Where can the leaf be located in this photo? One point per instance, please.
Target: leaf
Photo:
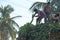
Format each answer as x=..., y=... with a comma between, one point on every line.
x=37, y=5
x=14, y=23
x=15, y=17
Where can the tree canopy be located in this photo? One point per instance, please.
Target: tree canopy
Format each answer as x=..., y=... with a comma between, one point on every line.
x=6, y=23
x=40, y=32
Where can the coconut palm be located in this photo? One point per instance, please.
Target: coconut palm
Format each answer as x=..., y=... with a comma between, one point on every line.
x=37, y=5
x=54, y=5
x=6, y=23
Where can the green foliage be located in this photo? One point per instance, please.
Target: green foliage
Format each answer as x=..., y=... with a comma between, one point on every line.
x=26, y=28
x=40, y=32
x=37, y=5
x=6, y=23
x=55, y=7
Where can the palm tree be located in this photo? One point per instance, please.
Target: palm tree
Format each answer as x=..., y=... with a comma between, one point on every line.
x=37, y=5
x=54, y=5
x=6, y=23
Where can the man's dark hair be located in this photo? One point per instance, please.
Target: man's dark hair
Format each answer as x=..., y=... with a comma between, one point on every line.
x=56, y=15
x=35, y=10
x=48, y=3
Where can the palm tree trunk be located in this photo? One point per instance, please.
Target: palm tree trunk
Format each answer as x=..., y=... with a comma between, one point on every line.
x=13, y=37
x=6, y=36
x=0, y=35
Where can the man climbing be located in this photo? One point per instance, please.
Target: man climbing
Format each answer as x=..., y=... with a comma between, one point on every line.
x=40, y=15
x=47, y=10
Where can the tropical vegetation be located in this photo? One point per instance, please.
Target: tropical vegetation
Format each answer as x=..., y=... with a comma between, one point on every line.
x=42, y=31
x=6, y=23
x=33, y=32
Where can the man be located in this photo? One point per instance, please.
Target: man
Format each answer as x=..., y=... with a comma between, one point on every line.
x=55, y=18
x=40, y=15
x=47, y=10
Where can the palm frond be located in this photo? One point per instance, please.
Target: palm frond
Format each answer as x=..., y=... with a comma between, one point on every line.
x=15, y=17
x=9, y=9
x=14, y=23
x=37, y=5
x=34, y=4
x=1, y=9
x=12, y=32
x=11, y=18
x=11, y=29
x=0, y=18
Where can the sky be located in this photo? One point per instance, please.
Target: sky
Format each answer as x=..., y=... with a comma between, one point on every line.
x=21, y=7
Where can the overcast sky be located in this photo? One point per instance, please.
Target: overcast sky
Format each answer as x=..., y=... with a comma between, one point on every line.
x=21, y=7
